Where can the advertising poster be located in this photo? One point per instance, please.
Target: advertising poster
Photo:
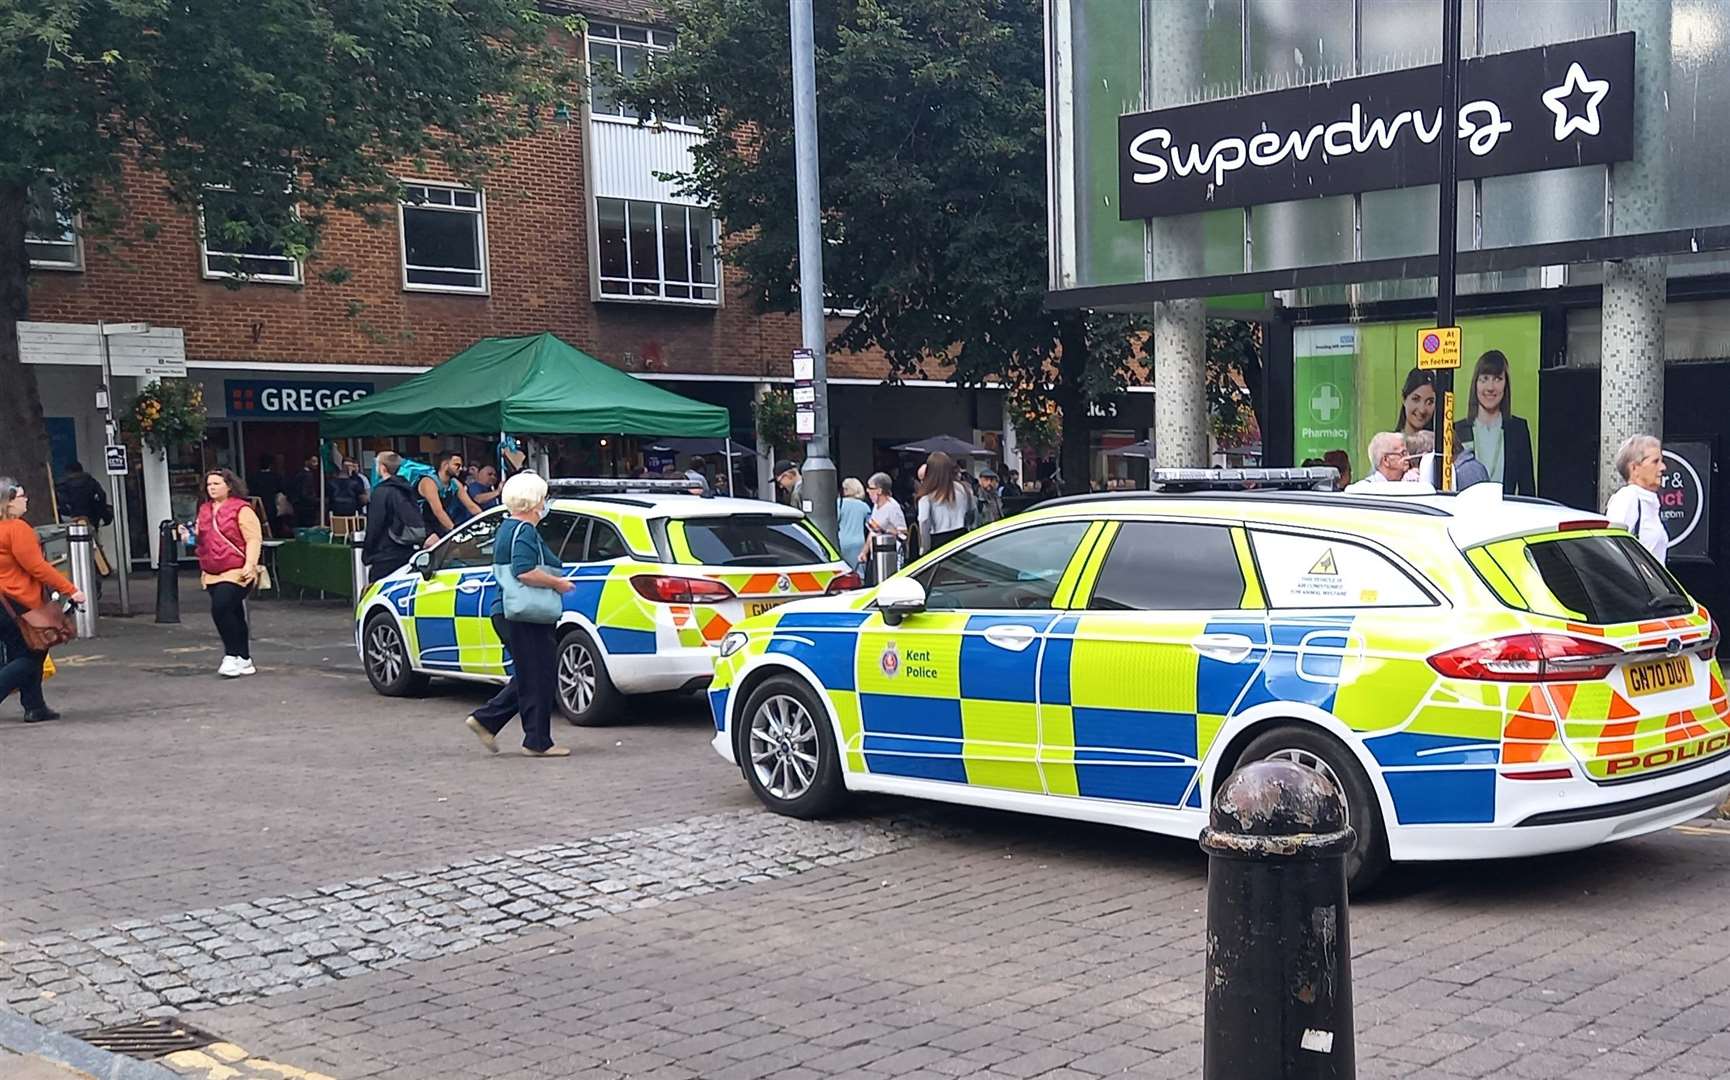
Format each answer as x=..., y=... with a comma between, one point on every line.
x=1351, y=381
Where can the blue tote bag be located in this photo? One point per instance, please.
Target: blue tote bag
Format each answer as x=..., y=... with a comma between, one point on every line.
x=528, y=603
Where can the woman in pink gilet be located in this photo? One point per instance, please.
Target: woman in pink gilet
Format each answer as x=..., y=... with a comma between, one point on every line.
x=229, y=539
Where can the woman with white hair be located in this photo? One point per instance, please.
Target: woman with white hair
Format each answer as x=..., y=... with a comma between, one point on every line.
x=528, y=602
x=1640, y=462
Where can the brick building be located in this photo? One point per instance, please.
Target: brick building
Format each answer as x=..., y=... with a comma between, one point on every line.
x=573, y=234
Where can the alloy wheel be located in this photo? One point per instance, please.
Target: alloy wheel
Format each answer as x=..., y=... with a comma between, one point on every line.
x=576, y=676
x=384, y=653
x=783, y=747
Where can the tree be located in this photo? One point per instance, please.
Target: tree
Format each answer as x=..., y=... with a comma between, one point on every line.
x=1234, y=375
x=932, y=121
x=292, y=108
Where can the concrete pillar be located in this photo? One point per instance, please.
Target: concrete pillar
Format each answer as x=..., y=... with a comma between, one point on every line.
x=765, y=453
x=1631, y=381
x=1180, y=384
x=157, y=504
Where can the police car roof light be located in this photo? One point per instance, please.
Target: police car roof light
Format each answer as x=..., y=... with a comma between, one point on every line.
x=622, y=485
x=1306, y=478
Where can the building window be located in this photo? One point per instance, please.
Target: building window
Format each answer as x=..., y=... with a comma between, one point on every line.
x=657, y=251
x=50, y=229
x=232, y=246
x=625, y=50
x=444, y=239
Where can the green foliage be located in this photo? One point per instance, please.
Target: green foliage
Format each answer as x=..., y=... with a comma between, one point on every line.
x=932, y=142
x=167, y=413
x=293, y=107
x=773, y=413
x=1234, y=372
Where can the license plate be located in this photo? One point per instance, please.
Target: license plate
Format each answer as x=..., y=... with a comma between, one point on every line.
x=757, y=607
x=1657, y=676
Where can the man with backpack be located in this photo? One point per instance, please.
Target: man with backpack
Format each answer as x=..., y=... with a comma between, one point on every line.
x=395, y=529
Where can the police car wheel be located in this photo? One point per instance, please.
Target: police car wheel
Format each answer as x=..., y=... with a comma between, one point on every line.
x=387, y=666
x=787, y=751
x=586, y=695
x=1316, y=750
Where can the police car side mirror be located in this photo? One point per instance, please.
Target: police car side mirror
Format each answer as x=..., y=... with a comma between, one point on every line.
x=421, y=563
x=898, y=598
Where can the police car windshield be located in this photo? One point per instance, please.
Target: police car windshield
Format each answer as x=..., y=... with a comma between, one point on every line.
x=1608, y=579
x=753, y=542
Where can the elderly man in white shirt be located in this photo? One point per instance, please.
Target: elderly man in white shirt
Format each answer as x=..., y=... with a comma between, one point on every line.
x=1640, y=462
x=1387, y=460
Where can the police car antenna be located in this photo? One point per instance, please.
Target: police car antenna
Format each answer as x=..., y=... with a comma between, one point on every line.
x=608, y=485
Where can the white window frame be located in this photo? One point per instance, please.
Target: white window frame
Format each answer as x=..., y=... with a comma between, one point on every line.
x=661, y=281
x=478, y=212
x=76, y=264
x=204, y=254
x=659, y=41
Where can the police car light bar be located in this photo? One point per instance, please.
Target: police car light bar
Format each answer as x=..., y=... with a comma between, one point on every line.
x=599, y=485
x=1310, y=478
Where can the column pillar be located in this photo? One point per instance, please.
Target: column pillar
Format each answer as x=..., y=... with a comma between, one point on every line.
x=157, y=502
x=1631, y=381
x=765, y=452
x=1180, y=384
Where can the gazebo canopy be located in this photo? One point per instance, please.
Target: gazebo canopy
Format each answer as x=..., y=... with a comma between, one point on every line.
x=537, y=385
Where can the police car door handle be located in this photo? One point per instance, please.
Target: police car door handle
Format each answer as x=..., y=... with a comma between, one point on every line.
x=1227, y=648
x=469, y=585
x=1014, y=638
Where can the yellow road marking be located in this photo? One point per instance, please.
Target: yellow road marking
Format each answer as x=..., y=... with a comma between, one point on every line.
x=226, y=1061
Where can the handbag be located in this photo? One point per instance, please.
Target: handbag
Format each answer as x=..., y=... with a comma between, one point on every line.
x=42, y=627
x=528, y=603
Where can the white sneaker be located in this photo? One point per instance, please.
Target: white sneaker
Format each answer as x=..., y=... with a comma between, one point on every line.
x=230, y=667
x=244, y=667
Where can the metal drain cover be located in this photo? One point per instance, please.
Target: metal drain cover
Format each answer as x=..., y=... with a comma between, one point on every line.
x=146, y=1039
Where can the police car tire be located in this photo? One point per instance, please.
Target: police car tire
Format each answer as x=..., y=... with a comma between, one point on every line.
x=604, y=704
x=408, y=681
x=827, y=791
x=1368, y=860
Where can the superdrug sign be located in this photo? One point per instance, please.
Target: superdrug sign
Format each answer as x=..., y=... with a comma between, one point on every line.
x=1545, y=108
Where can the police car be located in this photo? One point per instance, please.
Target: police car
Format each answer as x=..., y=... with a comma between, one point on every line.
x=661, y=576
x=1479, y=676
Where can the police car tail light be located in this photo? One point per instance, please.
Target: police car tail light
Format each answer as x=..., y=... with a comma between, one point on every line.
x=663, y=589
x=1528, y=658
x=1709, y=647
x=844, y=582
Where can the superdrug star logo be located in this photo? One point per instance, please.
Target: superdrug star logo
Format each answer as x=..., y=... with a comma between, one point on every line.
x=1558, y=98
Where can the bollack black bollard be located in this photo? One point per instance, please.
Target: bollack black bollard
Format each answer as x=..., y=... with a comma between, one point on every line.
x=167, y=574
x=1279, y=983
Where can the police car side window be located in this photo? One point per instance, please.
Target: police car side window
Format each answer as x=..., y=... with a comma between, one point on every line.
x=605, y=543
x=472, y=544
x=1169, y=566
x=1321, y=572
x=564, y=534
x=1016, y=570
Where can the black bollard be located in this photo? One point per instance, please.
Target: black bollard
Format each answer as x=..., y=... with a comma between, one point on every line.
x=1279, y=982
x=167, y=574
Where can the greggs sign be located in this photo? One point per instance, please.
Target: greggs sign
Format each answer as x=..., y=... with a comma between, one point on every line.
x=1546, y=108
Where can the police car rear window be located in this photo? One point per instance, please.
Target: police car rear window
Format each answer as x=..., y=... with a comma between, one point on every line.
x=1607, y=579
x=766, y=542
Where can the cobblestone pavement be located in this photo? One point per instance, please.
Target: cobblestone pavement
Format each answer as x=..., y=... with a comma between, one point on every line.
x=665, y=927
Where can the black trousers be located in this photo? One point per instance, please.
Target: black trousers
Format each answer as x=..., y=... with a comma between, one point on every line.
x=228, y=612
x=534, y=682
x=20, y=669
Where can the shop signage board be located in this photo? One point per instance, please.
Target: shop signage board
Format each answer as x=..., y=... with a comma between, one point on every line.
x=1685, y=499
x=114, y=459
x=1553, y=107
x=281, y=399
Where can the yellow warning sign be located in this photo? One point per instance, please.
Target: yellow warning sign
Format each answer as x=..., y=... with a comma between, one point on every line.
x=1439, y=347
x=1325, y=564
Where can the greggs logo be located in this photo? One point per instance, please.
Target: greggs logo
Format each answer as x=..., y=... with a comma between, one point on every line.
x=1669, y=755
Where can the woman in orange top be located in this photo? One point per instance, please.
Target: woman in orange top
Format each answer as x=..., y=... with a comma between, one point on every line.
x=24, y=577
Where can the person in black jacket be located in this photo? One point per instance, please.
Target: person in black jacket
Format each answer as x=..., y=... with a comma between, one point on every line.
x=1501, y=441
x=394, y=531
x=81, y=496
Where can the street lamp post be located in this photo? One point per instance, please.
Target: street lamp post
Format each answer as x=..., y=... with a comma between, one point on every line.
x=819, y=482
x=117, y=484
x=1447, y=224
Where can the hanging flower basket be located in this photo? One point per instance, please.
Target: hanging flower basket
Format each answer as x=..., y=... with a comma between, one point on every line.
x=773, y=413
x=1037, y=419
x=167, y=414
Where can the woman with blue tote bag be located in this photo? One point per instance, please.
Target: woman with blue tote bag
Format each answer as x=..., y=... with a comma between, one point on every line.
x=530, y=602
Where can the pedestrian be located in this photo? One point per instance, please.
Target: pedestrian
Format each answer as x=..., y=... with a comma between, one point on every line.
x=1468, y=470
x=887, y=518
x=346, y=492
x=944, y=502
x=484, y=488
x=528, y=603
x=444, y=500
x=1342, y=463
x=303, y=493
x=789, y=484
x=394, y=529
x=990, y=498
x=265, y=485
x=1640, y=463
x=1420, y=445
x=1387, y=454
x=851, y=513
x=694, y=472
x=83, y=498
x=25, y=578
x=228, y=538
x=1012, y=485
